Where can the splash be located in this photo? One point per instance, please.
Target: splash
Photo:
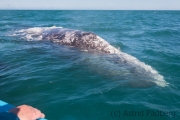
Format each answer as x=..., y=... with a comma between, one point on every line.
x=34, y=34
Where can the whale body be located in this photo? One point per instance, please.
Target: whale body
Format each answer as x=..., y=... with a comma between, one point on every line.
x=126, y=64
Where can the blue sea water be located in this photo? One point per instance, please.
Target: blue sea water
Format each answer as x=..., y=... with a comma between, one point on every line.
x=68, y=84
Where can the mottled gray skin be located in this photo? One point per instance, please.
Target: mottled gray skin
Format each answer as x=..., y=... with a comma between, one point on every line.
x=83, y=40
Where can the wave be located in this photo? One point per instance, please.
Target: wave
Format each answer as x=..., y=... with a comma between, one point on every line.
x=129, y=66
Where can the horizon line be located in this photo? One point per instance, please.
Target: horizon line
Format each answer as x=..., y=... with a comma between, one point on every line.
x=100, y=9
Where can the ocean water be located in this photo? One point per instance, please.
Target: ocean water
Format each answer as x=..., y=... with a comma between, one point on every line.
x=66, y=83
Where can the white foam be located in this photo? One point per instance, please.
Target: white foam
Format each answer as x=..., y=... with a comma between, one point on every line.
x=33, y=34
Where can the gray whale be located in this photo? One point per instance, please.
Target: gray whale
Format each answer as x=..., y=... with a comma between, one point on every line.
x=123, y=64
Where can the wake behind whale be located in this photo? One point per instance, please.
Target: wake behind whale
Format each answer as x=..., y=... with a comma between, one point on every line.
x=119, y=63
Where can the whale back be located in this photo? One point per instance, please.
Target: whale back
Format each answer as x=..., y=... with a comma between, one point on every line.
x=87, y=41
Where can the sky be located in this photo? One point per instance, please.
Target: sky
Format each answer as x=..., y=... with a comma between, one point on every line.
x=91, y=4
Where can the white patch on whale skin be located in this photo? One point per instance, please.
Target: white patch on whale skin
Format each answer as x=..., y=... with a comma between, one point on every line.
x=87, y=41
